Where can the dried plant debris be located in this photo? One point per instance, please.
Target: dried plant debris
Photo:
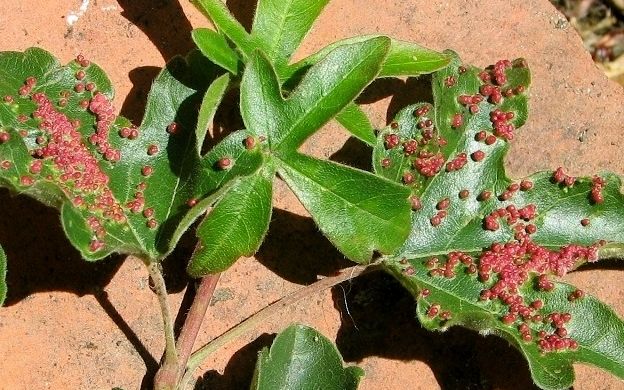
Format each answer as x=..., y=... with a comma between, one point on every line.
x=600, y=23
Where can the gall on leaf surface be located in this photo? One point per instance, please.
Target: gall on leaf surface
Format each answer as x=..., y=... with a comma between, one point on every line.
x=486, y=251
x=119, y=188
x=302, y=358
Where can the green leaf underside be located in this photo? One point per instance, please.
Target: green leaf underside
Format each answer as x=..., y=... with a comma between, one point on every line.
x=136, y=199
x=3, y=272
x=302, y=358
x=279, y=26
x=326, y=88
x=567, y=218
x=236, y=225
x=356, y=220
x=214, y=46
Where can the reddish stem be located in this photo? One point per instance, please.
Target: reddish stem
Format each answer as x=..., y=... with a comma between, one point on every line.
x=194, y=318
x=169, y=375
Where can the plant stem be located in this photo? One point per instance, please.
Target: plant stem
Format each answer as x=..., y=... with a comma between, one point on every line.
x=171, y=354
x=264, y=314
x=169, y=375
x=195, y=316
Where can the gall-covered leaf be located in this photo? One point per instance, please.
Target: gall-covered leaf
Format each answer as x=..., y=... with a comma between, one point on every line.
x=484, y=250
x=120, y=188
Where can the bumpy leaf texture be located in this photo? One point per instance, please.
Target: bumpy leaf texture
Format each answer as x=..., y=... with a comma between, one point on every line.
x=302, y=358
x=484, y=250
x=119, y=188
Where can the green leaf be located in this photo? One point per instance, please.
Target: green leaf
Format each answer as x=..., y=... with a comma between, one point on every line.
x=262, y=105
x=593, y=325
x=214, y=46
x=483, y=248
x=3, y=271
x=404, y=58
x=356, y=220
x=277, y=127
x=119, y=188
x=279, y=26
x=177, y=170
x=236, y=226
x=358, y=124
x=302, y=358
x=50, y=114
x=326, y=88
x=226, y=24
x=216, y=181
x=410, y=59
x=210, y=104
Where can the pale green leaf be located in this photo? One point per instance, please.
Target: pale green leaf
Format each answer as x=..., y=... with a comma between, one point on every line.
x=358, y=124
x=404, y=58
x=226, y=24
x=236, y=225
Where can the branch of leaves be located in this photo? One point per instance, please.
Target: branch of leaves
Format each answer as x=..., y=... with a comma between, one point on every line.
x=119, y=188
x=485, y=251
x=334, y=194
x=278, y=29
